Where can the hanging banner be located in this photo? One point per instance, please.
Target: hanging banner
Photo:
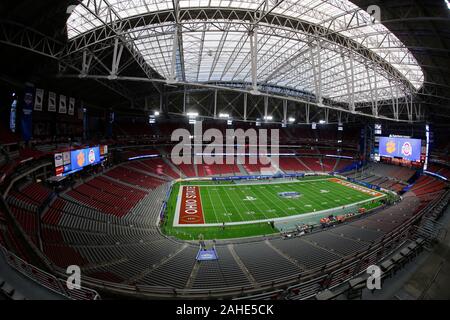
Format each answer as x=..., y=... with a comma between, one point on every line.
x=52, y=102
x=71, y=106
x=62, y=104
x=39, y=100
x=27, y=113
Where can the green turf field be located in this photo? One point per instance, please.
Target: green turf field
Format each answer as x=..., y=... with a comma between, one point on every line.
x=228, y=203
x=246, y=208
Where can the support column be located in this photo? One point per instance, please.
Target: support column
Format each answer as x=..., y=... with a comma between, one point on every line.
x=352, y=96
x=184, y=101
x=245, y=106
x=173, y=65
x=254, y=56
x=266, y=106
x=215, y=104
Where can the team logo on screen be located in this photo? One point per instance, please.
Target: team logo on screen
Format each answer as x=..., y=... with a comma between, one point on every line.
x=91, y=156
x=80, y=159
x=407, y=149
x=390, y=146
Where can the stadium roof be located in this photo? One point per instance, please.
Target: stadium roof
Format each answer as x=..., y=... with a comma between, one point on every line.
x=332, y=49
x=112, y=59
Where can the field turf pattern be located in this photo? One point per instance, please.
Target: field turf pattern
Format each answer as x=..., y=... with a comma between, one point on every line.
x=310, y=192
x=229, y=203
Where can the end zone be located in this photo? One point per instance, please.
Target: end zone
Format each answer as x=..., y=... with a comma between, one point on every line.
x=189, y=207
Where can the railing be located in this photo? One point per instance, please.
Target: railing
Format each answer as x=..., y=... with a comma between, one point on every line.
x=47, y=280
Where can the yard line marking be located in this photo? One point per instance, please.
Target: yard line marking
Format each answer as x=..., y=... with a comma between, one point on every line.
x=262, y=202
x=273, y=203
x=242, y=218
x=341, y=191
x=214, y=209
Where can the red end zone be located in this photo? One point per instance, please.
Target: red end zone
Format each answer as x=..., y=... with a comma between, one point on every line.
x=191, y=206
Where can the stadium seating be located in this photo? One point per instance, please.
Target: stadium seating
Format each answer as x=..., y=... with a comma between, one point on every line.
x=188, y=170
x=292, y=164
x=124, y=174
x=328, y=164
x=313, y=164
x=108, y=225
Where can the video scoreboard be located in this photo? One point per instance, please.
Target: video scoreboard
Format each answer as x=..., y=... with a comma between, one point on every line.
x=69, y=162
x=400, y=150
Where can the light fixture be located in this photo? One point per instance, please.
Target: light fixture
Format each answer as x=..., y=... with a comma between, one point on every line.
x=192, y=114
x=156, y=113
x=224, y=115
x=268, y=118
x=322, y=121
x=291, y=120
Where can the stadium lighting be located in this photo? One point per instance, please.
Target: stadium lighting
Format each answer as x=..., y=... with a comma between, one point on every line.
x=291, y=120
x=156, y=113
x=322, y=121
x=268, y=118
x=448, y=4
x=224, y=115
x=192, y=114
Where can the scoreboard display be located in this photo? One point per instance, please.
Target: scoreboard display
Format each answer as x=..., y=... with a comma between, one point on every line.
x=404, y=148
x=69, y=162
x=400, y=150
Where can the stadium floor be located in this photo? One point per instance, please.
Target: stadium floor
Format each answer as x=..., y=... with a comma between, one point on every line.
x=250, y=206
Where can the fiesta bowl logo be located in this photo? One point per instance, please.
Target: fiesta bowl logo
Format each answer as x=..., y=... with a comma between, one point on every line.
x=407, y=149
x=91, y=156
x=390, y=146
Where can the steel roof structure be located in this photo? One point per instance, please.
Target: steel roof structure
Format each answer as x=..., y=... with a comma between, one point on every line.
x=337, y=56
x=332, y=51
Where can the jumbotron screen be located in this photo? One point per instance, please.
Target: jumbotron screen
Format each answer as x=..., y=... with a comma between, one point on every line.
x=72, y=161
x=405, y=148
x=84, y=157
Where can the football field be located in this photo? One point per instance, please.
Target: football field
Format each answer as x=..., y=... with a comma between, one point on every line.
x=216, y=204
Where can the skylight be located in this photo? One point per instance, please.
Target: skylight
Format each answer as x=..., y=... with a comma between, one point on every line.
x=218, y=50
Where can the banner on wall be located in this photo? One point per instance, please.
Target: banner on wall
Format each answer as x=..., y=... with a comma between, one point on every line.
x=39, y=100
x=71, y=110
x=62, y=104
x=27, y=113
x=52, y=102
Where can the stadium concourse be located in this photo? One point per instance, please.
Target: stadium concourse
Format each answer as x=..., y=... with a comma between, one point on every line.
x=351, y=106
